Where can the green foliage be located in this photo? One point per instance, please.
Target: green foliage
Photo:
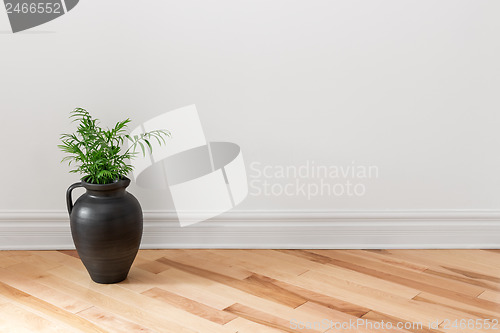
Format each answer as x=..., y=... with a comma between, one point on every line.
x=97, y=153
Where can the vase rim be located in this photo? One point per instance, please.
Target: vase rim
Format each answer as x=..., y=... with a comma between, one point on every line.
x=123, y=182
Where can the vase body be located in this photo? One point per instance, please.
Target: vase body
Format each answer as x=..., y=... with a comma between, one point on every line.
x=106, y=225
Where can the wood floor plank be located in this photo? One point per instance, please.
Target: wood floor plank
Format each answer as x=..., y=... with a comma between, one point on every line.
x=415, y=327
x=6, y=261
x=279, y=310
x=415, y=280
x=307, y=255
x=446, y=269
x=441, y=258
x=475, y=279
x=323, y=318
x=209, y=261
x=38, y=264
x=374, y=281
x=318, y=298
x=72, y=253
x=384, y=259
x=228, y=293
x=250, y=286
x=473, y=275
x=137, y=284
x=41, y=306
x=155, y=307
x=466, y=310
x=183, y=284
x=136, y=313
x=14, y=253
x=284, y=258
x=267, y=266
x=51, y=295
x=333, y=320
x=390, y=304
x=242, y=325
x=266, y=319
x=198, y=309
x=14, y=319
x=492, y=296
x=155, y=254
x=4, y=300
x=487, y=258
x=154, y=267
x=57, y=258
x=497, y=251
x=112, y=322
x=462, y=259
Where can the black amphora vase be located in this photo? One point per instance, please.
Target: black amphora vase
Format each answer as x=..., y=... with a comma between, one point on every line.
x=106, y=225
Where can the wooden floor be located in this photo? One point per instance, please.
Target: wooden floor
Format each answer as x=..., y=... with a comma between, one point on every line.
x=256, y=291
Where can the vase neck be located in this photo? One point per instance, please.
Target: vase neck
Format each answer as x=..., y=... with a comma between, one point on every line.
x=109, y=193
x=115, y=189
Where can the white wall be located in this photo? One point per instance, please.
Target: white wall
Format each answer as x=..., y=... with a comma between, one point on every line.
x=409, y=86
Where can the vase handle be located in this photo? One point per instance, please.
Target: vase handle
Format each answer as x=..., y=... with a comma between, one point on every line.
x=69, y=201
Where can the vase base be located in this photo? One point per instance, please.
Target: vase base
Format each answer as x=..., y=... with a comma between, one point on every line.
x=106, y=279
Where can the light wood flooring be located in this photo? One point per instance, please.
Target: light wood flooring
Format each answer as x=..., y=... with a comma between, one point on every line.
x=253, y=291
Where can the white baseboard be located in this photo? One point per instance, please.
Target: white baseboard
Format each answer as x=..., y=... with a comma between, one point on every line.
x=49, y=230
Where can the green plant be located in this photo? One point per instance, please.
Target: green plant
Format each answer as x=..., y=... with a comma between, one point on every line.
x=97, y=153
